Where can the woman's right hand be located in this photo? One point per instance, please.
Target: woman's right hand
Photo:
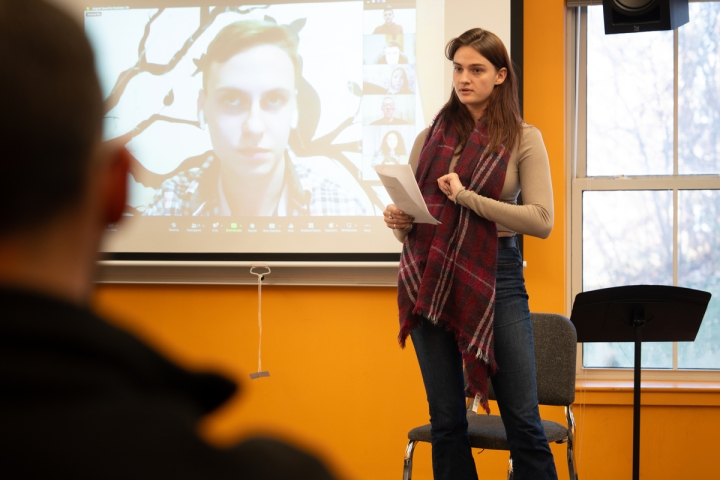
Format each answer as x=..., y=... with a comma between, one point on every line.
x=396, y=218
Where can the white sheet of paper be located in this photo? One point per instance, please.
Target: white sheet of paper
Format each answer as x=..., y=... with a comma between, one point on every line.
x=400, y=184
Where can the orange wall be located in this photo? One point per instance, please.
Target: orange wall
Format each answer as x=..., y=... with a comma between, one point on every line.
x=678, y=431
x=339, y=383
x=544, y=107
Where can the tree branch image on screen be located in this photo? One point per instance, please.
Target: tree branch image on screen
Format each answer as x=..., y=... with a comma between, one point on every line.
x=252, y=127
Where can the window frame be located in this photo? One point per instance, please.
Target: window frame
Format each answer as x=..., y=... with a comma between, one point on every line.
x=578, y=182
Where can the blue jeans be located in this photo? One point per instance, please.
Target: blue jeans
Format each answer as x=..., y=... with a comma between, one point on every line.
x=514, y=384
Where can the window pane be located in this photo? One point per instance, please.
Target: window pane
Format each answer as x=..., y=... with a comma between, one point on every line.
x=627, y=240
x=699, y=268
x=629, y=101
x=699, y=91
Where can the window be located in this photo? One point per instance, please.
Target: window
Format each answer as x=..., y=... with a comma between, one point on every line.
x=645, y=189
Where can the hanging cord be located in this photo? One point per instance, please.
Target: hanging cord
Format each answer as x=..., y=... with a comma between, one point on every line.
x=260, y=277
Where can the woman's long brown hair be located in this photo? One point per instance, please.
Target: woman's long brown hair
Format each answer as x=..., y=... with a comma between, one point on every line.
x=503, y=109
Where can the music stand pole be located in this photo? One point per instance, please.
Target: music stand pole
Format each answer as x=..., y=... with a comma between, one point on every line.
x=638, y=322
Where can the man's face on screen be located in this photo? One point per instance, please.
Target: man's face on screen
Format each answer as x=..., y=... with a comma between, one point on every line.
x=389, y=16
x=249, y=106
x=388, y=108
x=392, y=55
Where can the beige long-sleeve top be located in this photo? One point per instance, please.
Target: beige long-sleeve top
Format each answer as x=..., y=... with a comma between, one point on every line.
x=528, y=171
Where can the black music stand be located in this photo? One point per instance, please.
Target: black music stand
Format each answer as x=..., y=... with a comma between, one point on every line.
x=639, y=313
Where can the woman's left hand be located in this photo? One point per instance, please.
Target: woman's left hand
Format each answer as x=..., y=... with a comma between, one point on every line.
x=450, y=185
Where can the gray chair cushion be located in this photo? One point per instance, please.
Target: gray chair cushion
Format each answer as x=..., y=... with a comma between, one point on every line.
x=487, y=431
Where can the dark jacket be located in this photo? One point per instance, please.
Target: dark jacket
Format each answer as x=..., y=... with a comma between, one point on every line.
x=82, y=399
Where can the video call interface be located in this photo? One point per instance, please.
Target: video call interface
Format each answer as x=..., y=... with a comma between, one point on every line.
x=233, y=131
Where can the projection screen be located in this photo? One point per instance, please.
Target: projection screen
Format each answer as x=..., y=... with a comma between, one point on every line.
x=254, y=128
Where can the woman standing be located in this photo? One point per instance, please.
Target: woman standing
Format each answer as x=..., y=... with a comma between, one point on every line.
x=461, y=293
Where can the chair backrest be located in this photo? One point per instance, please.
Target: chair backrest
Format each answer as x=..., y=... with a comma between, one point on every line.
x=555, y=353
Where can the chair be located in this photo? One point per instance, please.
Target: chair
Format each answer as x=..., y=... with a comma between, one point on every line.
x=555, y=354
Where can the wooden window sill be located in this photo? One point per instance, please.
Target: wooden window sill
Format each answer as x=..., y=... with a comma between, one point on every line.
x=659, y=393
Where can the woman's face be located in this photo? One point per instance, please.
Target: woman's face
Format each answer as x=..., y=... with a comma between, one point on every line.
x=391, y=140
x=397, y=80
x=249, y=106
x=474, y=79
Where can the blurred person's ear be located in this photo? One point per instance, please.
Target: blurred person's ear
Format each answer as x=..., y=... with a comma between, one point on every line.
x=114, y=178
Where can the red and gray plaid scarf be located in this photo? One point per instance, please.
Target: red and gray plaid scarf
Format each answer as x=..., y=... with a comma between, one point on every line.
x=447, y=271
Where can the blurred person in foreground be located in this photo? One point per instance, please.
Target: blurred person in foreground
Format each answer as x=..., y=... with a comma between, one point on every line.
x=80, y=398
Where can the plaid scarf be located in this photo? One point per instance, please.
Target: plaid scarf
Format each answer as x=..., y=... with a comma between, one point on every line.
x=447, y=271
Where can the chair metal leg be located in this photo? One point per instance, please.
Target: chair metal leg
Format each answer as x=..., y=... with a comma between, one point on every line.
x=570, y=443
x=511, y=474
x=407, y=467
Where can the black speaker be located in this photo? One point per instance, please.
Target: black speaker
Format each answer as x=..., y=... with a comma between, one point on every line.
x=626, y=16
